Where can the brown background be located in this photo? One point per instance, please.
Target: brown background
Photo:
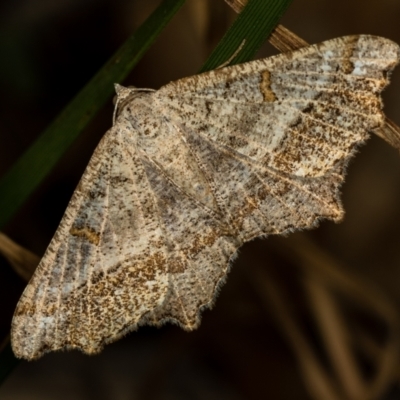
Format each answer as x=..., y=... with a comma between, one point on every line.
x=48, y=51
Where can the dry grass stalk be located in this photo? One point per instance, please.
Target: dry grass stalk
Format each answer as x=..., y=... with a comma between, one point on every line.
x=22, y=260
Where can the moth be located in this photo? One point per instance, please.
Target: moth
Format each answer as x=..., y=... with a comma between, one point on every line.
x=190, y=172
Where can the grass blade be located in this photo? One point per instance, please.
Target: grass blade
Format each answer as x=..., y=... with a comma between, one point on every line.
x=34, y=165
x=254, y=24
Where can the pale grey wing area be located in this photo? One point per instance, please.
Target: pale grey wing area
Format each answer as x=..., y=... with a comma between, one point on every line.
x=200, y=242
x=299, y=113
x=106, y=265
x=201, y=245
x=183, y=167
x=248, y=202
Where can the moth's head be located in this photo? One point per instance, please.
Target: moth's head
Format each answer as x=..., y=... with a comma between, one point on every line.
x=124, y=95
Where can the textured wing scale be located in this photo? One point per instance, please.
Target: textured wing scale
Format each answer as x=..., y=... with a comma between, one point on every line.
x=186, y=176
x=325, y=94
x=81, y=294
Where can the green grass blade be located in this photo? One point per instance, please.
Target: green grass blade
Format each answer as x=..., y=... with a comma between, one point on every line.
x=254, y=24
x=33, y=166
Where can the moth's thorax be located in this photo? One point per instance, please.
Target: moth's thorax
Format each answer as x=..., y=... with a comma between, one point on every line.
x=159, y=137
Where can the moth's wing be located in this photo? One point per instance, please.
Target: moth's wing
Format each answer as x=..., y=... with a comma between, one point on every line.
x=205, y=233
x=270, y=141
x=201, y=242
x=105, y=267
x=299, y=113
x=261, y=146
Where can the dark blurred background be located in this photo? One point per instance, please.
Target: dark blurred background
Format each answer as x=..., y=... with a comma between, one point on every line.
x=284, y=326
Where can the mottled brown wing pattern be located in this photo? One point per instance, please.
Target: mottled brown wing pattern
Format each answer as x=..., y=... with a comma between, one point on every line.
x=299, y=112
x=186, y=176
x=105, y=266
